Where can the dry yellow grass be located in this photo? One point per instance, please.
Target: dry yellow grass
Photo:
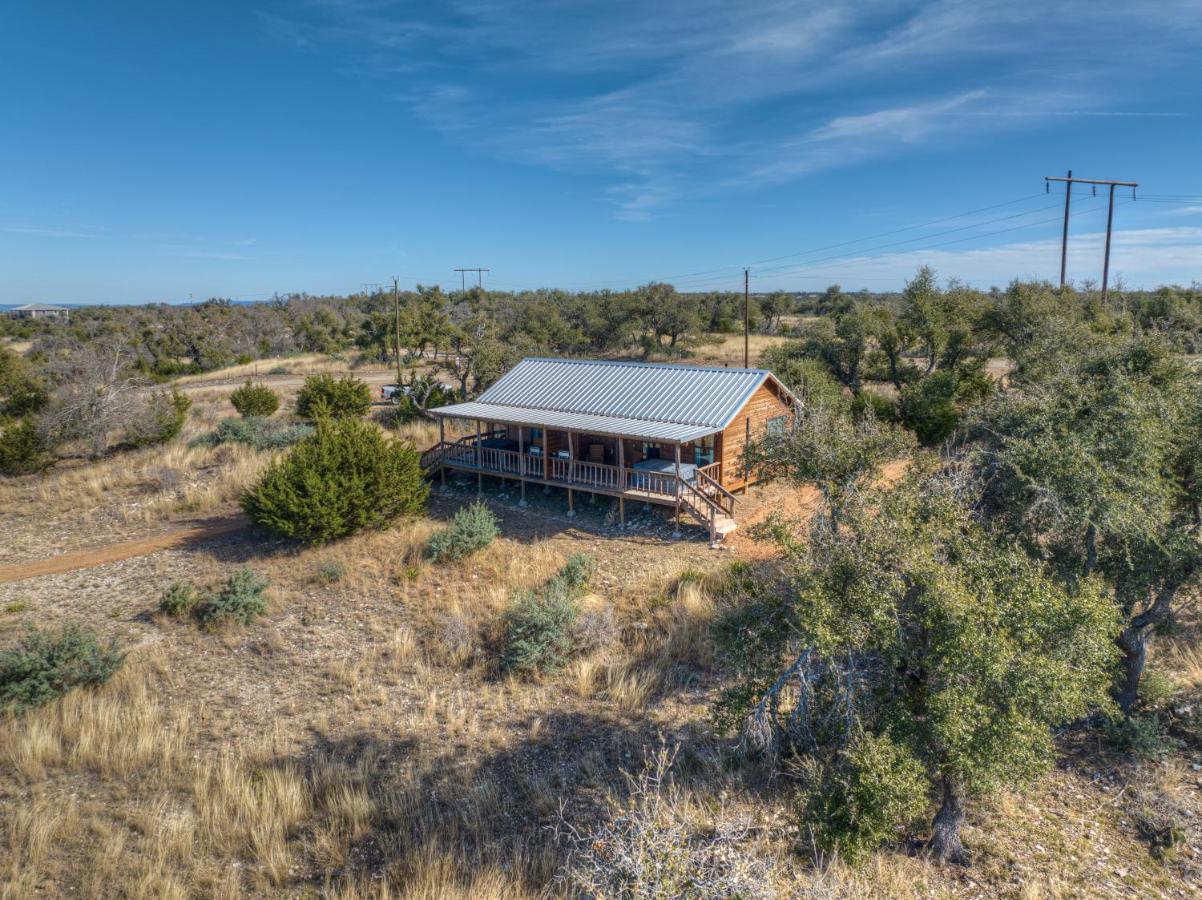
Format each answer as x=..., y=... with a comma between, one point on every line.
x=302, y=364
x=120, y=729
x=399, y=765
x=727, y=349
x=1184, y=661
x=151, y=484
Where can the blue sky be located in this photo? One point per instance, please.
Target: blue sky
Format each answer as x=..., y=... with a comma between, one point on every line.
x=161, y=151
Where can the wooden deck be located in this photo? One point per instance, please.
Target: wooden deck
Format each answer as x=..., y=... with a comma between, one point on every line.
x=702, y=497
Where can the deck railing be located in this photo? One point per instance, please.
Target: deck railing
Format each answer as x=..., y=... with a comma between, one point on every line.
x=702, y=495
x=581, y=472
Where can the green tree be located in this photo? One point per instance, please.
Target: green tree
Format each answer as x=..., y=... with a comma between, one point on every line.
x=1094, y=465
x=668, y=316
x=22, y=393
x=933, y=406
x=22, y=448
x=773, y=306
x=913, y=625
x=893, y=339
x=345, y=478
x=841, y=345
x=924, y=315
x=809, y=380
x=840, y=454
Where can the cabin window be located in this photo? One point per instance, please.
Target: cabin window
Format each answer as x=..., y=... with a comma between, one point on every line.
x=536, y=434
x=703, y=451
x=650, y=451
x=777, y=425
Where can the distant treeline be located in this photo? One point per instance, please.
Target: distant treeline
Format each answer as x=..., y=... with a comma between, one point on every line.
x=478, y=333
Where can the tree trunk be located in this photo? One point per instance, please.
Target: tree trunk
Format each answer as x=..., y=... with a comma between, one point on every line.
x=894, y=374
x=1134, y=638
x=1133, y=642
x=944, y=844
x=1091, y=549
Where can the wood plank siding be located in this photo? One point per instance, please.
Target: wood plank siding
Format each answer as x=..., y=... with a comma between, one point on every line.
x=764, y=405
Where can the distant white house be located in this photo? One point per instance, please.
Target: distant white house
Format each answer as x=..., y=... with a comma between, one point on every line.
x=39, y=311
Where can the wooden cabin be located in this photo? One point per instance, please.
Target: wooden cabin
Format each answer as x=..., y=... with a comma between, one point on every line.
x=666, y=434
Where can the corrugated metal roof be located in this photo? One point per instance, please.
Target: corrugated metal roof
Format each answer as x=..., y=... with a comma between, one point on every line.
x=653, y=400
x=639, y=429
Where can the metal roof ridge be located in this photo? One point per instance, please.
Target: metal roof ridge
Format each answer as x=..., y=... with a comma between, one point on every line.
x=635, y=363
x=601, y=415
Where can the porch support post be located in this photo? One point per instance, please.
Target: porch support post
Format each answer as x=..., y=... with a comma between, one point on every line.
x=479, y=463
x=622, y=481
x=546, y=461
x=521, y=466
x=571, y=469
x=442, y=449
x=676, y=533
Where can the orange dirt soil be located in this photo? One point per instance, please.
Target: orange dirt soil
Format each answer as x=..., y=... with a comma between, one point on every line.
x=87, y=559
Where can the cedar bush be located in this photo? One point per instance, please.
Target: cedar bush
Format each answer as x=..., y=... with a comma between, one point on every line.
x=179, y=598
x=22, y=448
x=539, y=627
x=578, y=571
x=346, y=477
x=255, y=400
x=237, y=602
x=162, y=419
x=472, y=528
x=883, y=409
x=329, y=572
x=538, y=630
x=257, y=432
x=44, y=665
x=324, y=396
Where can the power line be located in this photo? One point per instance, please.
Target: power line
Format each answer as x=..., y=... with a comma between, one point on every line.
x=871, y=237
x=814, y=265
x=793, y=267
x=958, y=230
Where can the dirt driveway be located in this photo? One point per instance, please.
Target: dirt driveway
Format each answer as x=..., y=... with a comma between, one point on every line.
x=87, y=559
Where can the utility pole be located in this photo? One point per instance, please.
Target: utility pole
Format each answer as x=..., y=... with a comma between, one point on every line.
x=746, y=317
x=396, y=305
x=1068, y=187
x=1068, y=193
x=1106, y=258
x=463, y=278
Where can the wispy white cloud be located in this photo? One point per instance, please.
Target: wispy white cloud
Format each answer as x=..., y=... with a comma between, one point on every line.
x=38, y=231
x=902, y=123
x=660, y=96
x=1144, y=256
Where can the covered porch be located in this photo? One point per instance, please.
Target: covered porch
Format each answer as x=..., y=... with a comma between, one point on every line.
x=680, y=474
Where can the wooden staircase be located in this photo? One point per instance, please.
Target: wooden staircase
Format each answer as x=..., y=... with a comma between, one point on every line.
x=710, y=504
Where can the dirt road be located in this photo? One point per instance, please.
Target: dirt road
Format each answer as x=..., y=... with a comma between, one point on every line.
x=227, y=385
x=86, y=559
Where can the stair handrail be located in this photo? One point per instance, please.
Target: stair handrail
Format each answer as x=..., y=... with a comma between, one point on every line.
x=711, y=506
x=709, y=482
